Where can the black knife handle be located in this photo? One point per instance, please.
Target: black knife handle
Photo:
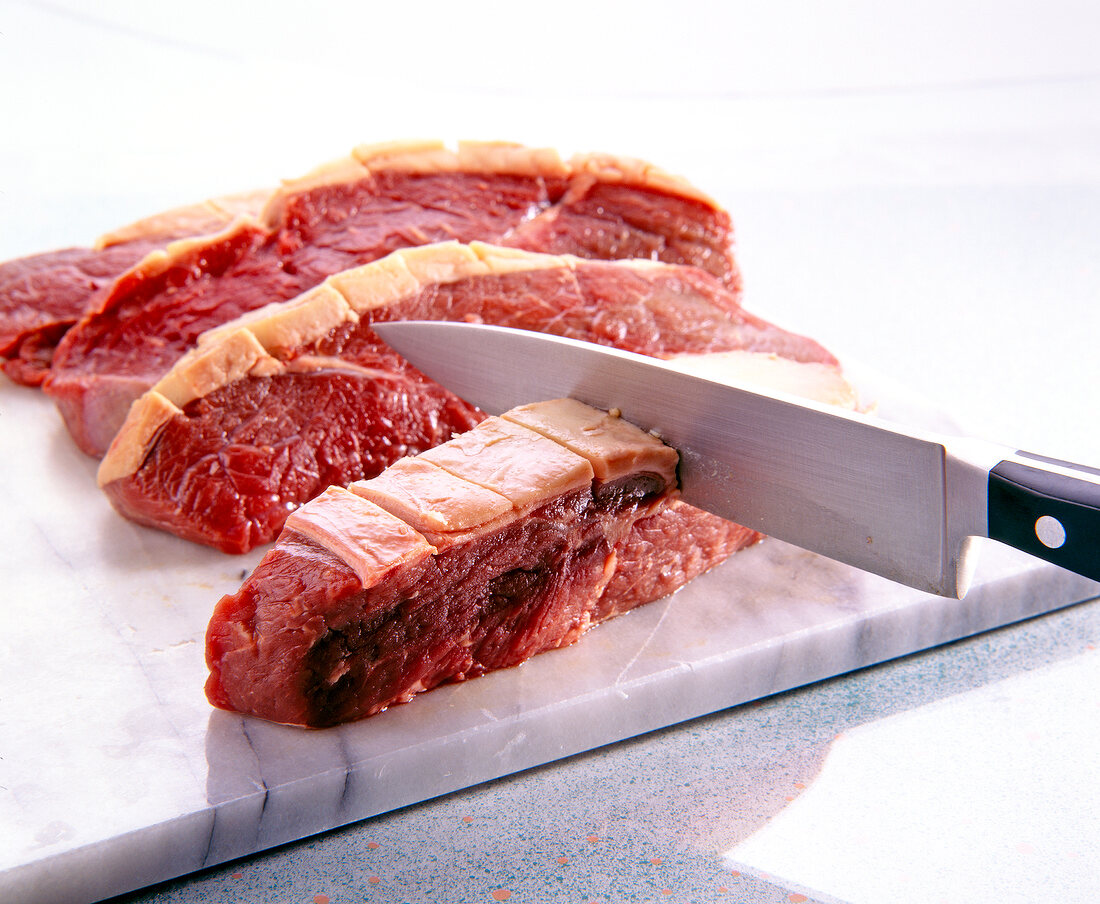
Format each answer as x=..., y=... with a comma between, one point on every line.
x=1048, y=513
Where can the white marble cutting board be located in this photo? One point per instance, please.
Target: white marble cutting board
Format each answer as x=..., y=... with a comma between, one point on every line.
x=115, y=773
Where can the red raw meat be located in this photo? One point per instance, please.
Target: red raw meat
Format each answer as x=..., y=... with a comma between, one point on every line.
x=270, y=410
x=43, y=295
x=353, y=212
x=474, y=556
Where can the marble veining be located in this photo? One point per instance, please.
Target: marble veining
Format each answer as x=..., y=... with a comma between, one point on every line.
x=116, y=773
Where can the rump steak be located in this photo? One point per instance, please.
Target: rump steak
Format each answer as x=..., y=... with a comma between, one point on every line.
x=476, y=555
x=43, y=295
x=354, y=211
x=269, y=410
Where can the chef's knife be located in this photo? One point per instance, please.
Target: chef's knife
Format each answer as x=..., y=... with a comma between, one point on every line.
x=897, y=502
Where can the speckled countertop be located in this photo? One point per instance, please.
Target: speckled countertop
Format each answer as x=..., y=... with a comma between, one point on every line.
x=917, y=188
x=661, y=817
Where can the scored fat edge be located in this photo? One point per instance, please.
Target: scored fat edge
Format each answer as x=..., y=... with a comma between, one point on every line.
x=521, y=465
x=613, y=446
x=366, y=537
x=432, y=500
x=475, y=483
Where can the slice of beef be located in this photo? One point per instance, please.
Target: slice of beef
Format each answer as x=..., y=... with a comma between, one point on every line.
x=474, y=556
x=43, y=295
x=355, y=211
x=604, y=216
x=665, y=550
x=269, y=410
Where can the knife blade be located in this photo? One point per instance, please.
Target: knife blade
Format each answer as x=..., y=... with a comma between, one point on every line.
x=899, y=502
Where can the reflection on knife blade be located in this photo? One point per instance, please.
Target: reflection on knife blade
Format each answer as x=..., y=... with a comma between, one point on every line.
x=902, y=503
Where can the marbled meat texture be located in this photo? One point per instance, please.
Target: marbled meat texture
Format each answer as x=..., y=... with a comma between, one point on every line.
x=356, y=211
x=474, y=556
x=270, y=410
x=43, y=295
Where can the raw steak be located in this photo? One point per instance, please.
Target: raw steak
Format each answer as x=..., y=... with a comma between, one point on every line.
x=381, y=199
x=271, y=409
x=473, y=556
x=43, y=295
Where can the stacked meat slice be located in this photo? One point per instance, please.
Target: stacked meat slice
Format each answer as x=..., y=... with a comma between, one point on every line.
x=43, y=295
x=271, y=409
x=476, y=555
x=357, y=210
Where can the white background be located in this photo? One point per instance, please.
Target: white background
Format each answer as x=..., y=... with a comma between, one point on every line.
x=916, y=184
